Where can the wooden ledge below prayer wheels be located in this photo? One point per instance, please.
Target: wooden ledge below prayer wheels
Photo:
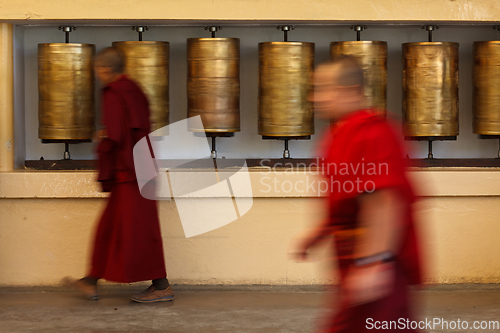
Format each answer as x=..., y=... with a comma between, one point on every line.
x=296, y=163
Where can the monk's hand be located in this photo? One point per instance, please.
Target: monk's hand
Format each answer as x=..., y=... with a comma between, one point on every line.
x=100, y=135
x=299, y=249
x=367, y=284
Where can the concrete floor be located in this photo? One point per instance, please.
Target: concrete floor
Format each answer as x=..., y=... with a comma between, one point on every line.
x=221, y=309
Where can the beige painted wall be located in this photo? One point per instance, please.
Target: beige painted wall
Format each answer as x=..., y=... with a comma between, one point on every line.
x=328, y=10
x=461, y=238
x=47, y=219
x=43, y=240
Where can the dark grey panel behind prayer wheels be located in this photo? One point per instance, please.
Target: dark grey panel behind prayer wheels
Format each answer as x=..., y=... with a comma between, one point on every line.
x=285, y=73
x=66, y=107
x=486, y=79
x=147, y=63
x=430, y=86
x=372, y=58
x=213, y=86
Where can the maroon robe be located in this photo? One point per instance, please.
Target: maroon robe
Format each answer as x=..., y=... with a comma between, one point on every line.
x=363, y=154
x=128, y=244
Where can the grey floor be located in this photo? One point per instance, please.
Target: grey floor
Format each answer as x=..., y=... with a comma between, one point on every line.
x=222, y=309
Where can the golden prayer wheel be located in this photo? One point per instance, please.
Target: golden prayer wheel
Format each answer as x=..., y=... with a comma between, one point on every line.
x=486, y=79
x=66, y=107
x=372, y=58
x=430, y=86
x=285, y=71
x=147, y=63
x=213, y=86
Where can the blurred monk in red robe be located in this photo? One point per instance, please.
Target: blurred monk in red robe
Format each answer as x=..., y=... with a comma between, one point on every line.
x=128, y=244
x=369, y=206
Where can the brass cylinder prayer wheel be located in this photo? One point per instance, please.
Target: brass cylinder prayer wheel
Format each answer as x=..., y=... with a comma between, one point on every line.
x=66, y=106
x=486, y=79
x=147, y=63
x=213, y=86
x=430, y=86
x=285, y=72
x=372, y=58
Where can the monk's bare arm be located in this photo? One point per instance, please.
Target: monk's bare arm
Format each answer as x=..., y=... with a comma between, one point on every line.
x=311, y=238
x=371, y=277
x=380, y=215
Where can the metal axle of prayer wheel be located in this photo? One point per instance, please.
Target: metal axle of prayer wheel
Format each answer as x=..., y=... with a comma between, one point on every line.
x=358, y=28
x=66, y=107
x=213, y=86
x=285, y=71
x=430, y=87
x=140, y=29
x=486, y=96
x=147, y=63
x=372, y=58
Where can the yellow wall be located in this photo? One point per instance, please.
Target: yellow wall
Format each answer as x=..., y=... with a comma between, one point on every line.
x=460, y=238
x=46, y=239
x=326, y=10
x=6, y=98
x=47, y=219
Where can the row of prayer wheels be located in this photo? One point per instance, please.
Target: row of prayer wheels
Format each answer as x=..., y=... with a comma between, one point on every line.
x=430, y=84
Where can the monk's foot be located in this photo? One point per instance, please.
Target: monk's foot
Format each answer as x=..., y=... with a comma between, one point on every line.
x=86, y=289
x=152, y=295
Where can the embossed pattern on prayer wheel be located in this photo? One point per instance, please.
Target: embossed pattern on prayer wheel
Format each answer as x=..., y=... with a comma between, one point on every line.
x=486, y=80
x=213, y=86
x=147, y=63
x=372, y=58
x=430, y=86
x=285, y=72
x=66, y=99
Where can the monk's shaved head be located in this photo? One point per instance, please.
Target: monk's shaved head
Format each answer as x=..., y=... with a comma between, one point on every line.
x=345, y=72
x=110, y=57
x=338, y=88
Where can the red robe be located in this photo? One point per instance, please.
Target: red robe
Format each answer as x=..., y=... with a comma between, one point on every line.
x=128, y=244
x=362, y=154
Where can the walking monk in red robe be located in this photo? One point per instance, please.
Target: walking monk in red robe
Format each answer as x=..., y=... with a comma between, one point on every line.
x=369, y=207
x=128, y=244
